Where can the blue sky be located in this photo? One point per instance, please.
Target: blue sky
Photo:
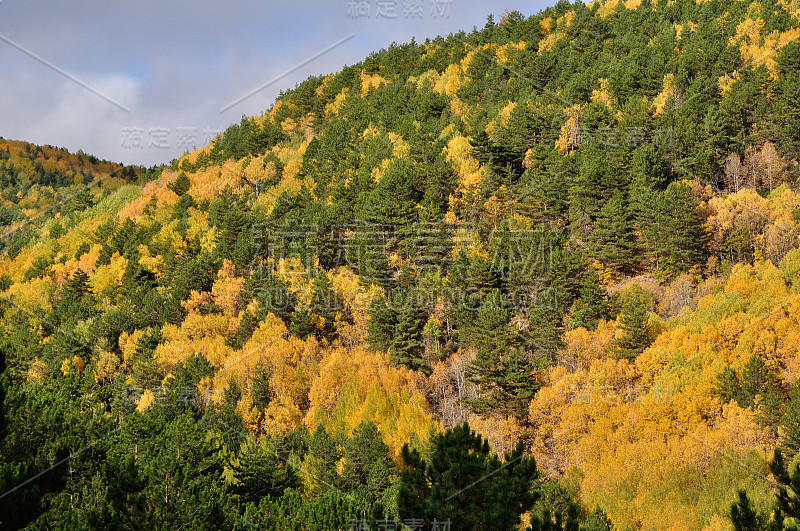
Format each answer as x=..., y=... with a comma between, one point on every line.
x=142, y=81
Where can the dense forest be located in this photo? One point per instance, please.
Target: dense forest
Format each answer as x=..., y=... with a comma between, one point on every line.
x=541, y=275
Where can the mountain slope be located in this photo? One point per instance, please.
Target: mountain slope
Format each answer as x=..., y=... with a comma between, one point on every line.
x=577, y=229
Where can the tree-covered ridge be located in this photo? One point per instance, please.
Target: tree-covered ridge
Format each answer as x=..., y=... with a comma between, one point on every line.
x=576, y=230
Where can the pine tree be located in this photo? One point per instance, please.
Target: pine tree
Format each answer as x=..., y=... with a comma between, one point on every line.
x=407, y=349
x=682, y=238
x=593, y=303
x=743, y=516
x=302, y=323
x=635, y=321
x=324, y=303
x=465, y=483
x=611, y=240
x=790, y=422
x=382, y=323
x=259, y=472
x=261, y=391
x=181, y=184
x=501, y=368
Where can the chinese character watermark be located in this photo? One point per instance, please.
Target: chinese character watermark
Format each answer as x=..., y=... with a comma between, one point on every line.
x=390, y=9
x=184, y=138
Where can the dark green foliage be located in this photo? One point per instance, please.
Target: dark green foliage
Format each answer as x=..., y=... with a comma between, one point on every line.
x=635, y=320
x=181, y=184
x=502, y=369
x=674, y=239
x=537, y=214
x=302, y=324
x=330, y=510
x=465, y=483
x=382, y=324
x=406, y=345
x=368, y=471
x=612, y=240
x=324, y=304
x=743, y=517
x=261, y=392
x=597, y=520
x=757, y=387
x=189, y=373
x=790, y=423
x=258, y=471
x=593, y=304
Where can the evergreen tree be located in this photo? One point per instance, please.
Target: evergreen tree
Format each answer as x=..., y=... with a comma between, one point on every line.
x=382, y=324
x=676, y=235
x=259, y=472
x=465, y=483
x=501, y=368
x=635, y=321
x=743, y=516
x=324, y=304
x=593, y=303
x=368, y=471
x=302, y=323
x=611, y=240
x=407, y=349
x=790, y=423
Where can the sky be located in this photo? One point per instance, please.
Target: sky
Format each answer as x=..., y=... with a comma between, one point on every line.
x=141, y=82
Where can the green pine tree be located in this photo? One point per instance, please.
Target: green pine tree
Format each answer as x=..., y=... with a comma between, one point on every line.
x=635, y=320
x=465, y=483
x=407, y=349
x=258, y=471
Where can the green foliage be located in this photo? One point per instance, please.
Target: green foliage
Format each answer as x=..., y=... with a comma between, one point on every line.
x=382, y=324
x=758, y=387
x=258, y=471
x=181, y=184
x=406, y=345
x=502, y=369
x=635, y=323
x=465, y=483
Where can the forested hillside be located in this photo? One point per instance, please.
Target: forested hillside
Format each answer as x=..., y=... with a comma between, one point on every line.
x=541, y=275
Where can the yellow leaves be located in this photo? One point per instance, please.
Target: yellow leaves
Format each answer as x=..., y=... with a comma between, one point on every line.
x=581, y=346
x=144, y=401
x=450, y=80
x=678, y=30
x=109, y=274
x=106, y=367
x=355, y=385
x=629, y=428
x=459, y=153
x=506, y=52
x=767, y=223
x=608, y=7
x=226, y=289
x=34, y=293
x=568, y=137
x=37, y=371
x=603, y=94
x=501, y=120
x=759, y=49
x=556, y=31
x=668, y=90
x=154, y=264
x=726, y=82
x=400, y=148
x=792, y=7
x=68, y=366
x=546, y=25
x=369, y=82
